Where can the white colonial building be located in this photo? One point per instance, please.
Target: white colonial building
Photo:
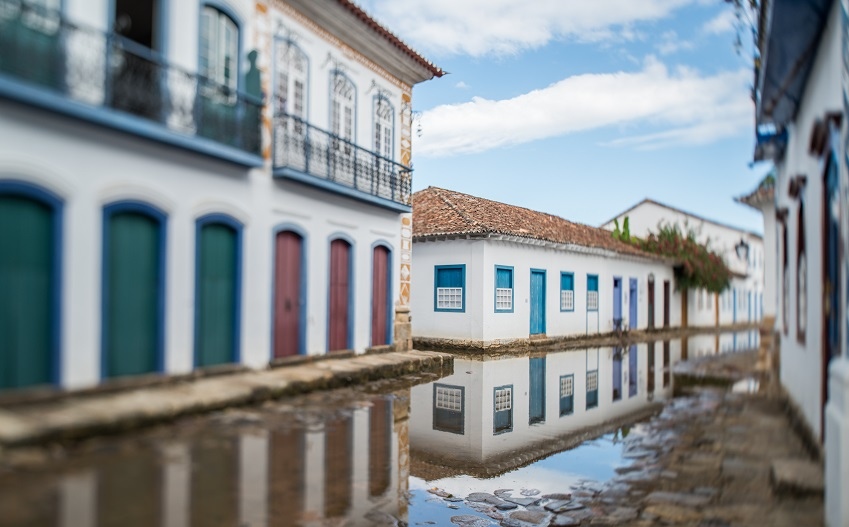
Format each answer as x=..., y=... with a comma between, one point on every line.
x=801, y=95
x=742, y=251
x=492, y=274
x=188, y=184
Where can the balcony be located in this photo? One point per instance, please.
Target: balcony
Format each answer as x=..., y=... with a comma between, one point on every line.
x=305, y=153
x=49, y=62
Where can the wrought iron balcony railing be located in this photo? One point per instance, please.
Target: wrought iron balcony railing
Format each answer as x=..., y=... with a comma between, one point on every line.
x=106, y=71
x=302, y=148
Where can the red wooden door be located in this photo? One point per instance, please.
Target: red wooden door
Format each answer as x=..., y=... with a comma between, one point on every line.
x=340, y=265
x=287, y=298
x=380, y=296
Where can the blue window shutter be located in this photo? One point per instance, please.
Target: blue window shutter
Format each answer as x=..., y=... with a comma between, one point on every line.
x=451, y=277
x=567, y=282
x=504, y=279
x=592, y=283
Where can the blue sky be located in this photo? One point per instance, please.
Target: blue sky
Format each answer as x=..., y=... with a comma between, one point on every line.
x=582, y=108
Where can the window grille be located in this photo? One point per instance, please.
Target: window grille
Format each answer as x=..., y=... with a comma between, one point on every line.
x=503, y=399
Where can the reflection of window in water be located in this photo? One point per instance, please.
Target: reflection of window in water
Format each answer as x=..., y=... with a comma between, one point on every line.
x=503, y=401
x=567, y=394
x=592, y=389
x=448, y=408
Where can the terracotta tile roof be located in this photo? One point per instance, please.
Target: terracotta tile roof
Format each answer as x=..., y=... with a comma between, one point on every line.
x=440, y=212
x=763, y=195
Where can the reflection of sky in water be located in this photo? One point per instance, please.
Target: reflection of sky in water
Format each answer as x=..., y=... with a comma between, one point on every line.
x=593, y=460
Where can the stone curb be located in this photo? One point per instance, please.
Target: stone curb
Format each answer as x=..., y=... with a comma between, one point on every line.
x=73, y=418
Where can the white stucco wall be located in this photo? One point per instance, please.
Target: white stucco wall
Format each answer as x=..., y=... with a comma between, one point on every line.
x=90, y=166
x=480, y=321
x=647, y=216
x=801, y=361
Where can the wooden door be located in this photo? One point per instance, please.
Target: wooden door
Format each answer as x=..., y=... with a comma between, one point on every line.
x=666, y=303
x=536, y=411
x=617, y=374
x=380, y=447
x=650, y=319
x=340, y=296
x=134, y=278
x=633, y=364
x=537, y=302
x=286, y=477
x=217, y=295
x=338, y=466
x=289, y=299
x=632, y=303
x=380, y=300
x=27, y=289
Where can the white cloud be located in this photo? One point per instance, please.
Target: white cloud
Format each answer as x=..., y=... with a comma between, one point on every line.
x=481, y=27
x=722, y=23
x=462, y=86
x=671, y=43
x=689, y=108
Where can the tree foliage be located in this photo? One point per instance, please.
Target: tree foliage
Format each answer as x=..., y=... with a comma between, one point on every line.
x=696, y=267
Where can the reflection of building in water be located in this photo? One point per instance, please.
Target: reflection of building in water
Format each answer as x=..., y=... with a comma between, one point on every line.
x=345, y=468
x=495, y=415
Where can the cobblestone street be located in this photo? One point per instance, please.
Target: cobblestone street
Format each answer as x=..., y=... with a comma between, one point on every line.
x=715, y=456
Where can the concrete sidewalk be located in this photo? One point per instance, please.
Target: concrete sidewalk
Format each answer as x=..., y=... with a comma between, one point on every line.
x=81, y=415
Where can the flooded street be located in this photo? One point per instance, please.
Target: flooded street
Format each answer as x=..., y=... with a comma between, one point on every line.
x=497, y=435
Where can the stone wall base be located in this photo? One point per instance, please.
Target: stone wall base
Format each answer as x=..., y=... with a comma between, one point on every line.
x=766, y=352
x=403, y=330
x=837, y=445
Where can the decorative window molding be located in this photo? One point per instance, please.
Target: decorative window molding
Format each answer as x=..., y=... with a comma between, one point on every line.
x=592, y=292
x=449, y=288
x=567, y=291
x=503, y=289
x=449, y=408
x=219, y=48
x=592, y=389
x=567, y=394
x=502, y=409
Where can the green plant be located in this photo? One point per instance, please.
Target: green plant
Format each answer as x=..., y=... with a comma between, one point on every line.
x=696, y=265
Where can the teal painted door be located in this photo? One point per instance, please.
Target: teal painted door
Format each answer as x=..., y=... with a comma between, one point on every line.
x=131, y=314
x=216, y=295
x=537, y=302
x=26, y=283
x=536, y=409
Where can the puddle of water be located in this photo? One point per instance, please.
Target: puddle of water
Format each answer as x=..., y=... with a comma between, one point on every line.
x=366, y=456
x=747, y=385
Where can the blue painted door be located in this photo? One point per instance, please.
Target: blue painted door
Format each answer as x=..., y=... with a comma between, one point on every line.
x=134, y=278
x=734, y=304
x=831, y=278
x=617, y=374
x=27, y=289
x=537, y=302
x=632, y=305
x=617, y=302
x=536, y=413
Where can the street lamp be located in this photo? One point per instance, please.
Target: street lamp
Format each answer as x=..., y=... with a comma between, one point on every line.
x=742, y=250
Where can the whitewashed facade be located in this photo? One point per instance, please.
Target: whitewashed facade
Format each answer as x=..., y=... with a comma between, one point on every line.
x=742, y=251
x=125, y=123
x=576, y=291
x=802, y=130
